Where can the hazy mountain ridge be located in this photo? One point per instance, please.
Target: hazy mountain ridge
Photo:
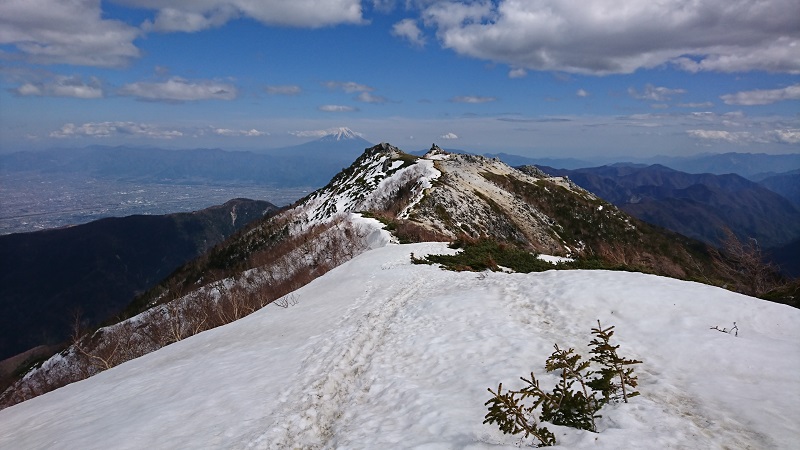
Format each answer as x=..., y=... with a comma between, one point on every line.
x=309, y=164
x=745, y=164
x=695, y=205
x=97, y=268
x=786, y=184
x=752, y=166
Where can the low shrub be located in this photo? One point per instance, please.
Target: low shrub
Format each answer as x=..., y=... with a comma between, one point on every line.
x=482, y=254
x=577, y=397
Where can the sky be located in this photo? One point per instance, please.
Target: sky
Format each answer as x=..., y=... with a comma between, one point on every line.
x=537, y=78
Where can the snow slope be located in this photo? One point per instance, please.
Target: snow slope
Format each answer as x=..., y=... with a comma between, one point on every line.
x=380, y=353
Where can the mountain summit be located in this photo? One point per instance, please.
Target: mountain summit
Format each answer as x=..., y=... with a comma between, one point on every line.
x=341, y=134
x=445, y=195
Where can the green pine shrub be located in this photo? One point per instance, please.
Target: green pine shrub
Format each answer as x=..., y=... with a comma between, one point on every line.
x=614, y=376
x=576, y=399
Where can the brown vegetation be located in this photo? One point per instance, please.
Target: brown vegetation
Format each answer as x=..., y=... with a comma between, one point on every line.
x=745, y=266
x=276, y=269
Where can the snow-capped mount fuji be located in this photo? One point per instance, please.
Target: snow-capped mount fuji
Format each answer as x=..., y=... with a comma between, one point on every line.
x=341, y=134
x=318, y=160
x=439, y=196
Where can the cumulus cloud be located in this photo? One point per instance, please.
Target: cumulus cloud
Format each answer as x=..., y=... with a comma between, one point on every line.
x=66, y=32
x=697, y=105
x=601, y=37
x=188, y=21
x=337, y=108
x=286, y=89
x=62, y=86
x=733, y=137
x=407, y=29
x=763, y=97
x=449, y=136
x=195, y=15
x=347, y=86
x=178, y=89
x=238, y=133
x=366, y=97
x=787, y=136
x=582, y=93
x=517, y=73
x=781, y=136
x=114, y=129
x=472, y=99
x=655, y=93
x=76, y=32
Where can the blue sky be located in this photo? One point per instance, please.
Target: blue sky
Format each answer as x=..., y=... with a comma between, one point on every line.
x=535, y=78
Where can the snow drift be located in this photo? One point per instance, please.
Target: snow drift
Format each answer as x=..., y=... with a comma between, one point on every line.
x=380, y=353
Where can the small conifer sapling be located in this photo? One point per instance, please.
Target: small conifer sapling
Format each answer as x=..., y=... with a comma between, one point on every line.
x=615, y=376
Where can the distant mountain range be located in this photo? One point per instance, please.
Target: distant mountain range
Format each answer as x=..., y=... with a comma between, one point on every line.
x=786, y=184
x=97, y=268
x=695, y=205
x=310, y=164
x=313, y=163
x=748, y=165
x=753, y=166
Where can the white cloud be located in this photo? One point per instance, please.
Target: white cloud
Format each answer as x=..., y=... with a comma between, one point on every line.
x=781, y=136
x=696, y=105
x=66, y=32
x=286, y=89
x=654, y=93
x=733, y=137
x=582, y=93
x=62, y=86
x=195, y=15
x=76, y=32
x=351, y=87
x=337, y=108
x=173, y=19
x=407, y=29
x=449, y=136
x=763, y=97
x=621, y=36
x=366, y=97
x=348, y=86
x=178, y=89
x=472, y=99
x=787, y=136
x=774, y=54
x=114, y=129
x=238, y=133
x=517, y=73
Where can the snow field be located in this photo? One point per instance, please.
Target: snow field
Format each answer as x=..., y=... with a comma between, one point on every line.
x=380, y=353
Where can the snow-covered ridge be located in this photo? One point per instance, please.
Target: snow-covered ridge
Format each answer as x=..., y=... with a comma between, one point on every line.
x=369, y=183
x=380, y=353
x=454, y=194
